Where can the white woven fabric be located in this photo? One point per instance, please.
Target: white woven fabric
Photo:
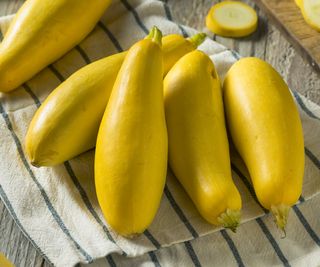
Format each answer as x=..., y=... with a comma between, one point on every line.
x=57, y=208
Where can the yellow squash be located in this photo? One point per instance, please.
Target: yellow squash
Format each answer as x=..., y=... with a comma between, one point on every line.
x=41, y=32
x=265, y=127
x=67, y=123
x=232, y=19
x=198, y=143
x=174, y=47
x=131, y=151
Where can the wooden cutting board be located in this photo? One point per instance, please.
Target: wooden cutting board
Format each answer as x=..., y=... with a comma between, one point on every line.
x=287, y=16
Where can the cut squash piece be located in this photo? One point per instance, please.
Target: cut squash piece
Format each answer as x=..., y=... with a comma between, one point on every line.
x=232, y=19
x=311, y=13
x=298, y=3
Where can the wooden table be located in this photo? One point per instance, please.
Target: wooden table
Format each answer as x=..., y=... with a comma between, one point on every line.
x=267, y=43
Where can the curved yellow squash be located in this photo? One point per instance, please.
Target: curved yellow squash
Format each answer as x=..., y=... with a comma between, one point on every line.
x=265, y=127
x=198, y=144
x=41, y=32
x=131, y=150
x=67, y=123
x=174, y=47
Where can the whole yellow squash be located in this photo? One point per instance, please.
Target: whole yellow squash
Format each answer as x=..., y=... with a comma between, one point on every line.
x=67, y=123
x=131, y=151
x=40, y=33
x=198, y=143
x=265, y=127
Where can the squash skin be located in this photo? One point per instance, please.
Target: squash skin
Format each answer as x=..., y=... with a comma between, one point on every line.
x=131, y=150
x=67, y=122
x=266, y=129
x=198, y=144
x=40, y=33
x=175, y=46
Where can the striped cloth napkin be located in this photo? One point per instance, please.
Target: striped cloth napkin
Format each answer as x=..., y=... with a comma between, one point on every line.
x=56, y=208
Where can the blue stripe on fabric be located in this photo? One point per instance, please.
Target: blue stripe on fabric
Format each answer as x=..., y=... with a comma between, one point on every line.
x=83, y=54
x=152, y=239
x=56, y=73
x=41, y=189
x=179, y=212
x=15, y=217
x=167, y=10
x=303, y=106
x=111, y=36
x=183, y=31
x=235, y=54
x=312, y=157
x=232, y=247
x=111, y=261
x=154, y=259
x=32, y=95
x=169, y=16
x=86, y=200
x=308, y=152
x=306, y=225
x=136, y=16
x=192, y=254
x=301, y=199
x=273, y=242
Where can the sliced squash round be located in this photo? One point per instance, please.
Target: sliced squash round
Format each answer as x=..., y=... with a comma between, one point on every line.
x=232, y=19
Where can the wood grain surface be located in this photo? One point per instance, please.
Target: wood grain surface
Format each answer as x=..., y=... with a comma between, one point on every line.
x=267, y=43
x=288, y=17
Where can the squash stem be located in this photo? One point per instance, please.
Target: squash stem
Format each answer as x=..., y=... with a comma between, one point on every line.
x=230, y=219
x=155, y=35
x=35, y=164
x=280, y=213
x=197, y=39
